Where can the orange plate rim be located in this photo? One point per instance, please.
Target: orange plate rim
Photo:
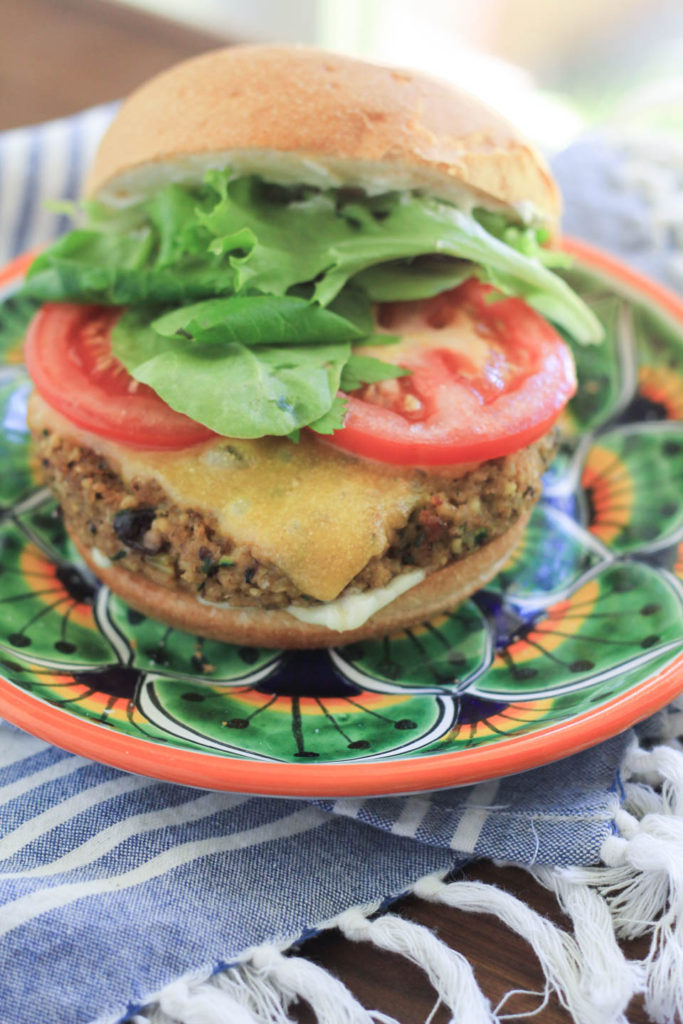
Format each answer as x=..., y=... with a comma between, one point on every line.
x=376, y=778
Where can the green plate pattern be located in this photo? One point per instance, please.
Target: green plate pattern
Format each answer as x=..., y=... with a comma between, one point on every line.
x=589, y=608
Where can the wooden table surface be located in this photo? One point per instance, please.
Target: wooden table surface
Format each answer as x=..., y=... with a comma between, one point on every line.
x=56, y=57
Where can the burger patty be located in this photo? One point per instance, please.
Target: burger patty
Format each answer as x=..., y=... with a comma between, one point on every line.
x=139, y=527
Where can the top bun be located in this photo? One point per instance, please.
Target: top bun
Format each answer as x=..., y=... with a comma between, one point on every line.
x=294, y=114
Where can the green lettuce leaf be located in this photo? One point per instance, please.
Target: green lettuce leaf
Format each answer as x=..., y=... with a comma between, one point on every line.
x=245, y=297
x=416, y=225
x=362, y=369
x=246, y=388
x=355, y=304
x=256, y=320
x=242, y=235
x=526, y=239
x=119, y=269
x=333, y=419
x=337, y=241
x=404, y=280
x=233, y=389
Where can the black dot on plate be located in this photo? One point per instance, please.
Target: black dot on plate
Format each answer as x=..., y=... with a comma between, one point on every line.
x=236, y=723
x=248, y=655
x=669, y=509
x=12, y=666
x=64, y=647
x=582, y=665
x=622, y=582
x=19, y=640
x=524, y=673
x=192, y=697
x=671, y=447
x=135, y=618
x=159, y=657
x=649, y=609
x=359, y=745
x=389, y=669
x=405, y=723
x=649, y=641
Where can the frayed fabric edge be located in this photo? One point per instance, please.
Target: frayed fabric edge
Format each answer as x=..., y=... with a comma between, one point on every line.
x=640, y=881
x=637, y=890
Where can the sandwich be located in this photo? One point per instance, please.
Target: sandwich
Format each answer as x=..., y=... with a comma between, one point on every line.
x=298, y=369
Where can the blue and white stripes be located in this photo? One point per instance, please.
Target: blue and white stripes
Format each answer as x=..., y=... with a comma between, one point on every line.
x=39, y=164
x=112, y=885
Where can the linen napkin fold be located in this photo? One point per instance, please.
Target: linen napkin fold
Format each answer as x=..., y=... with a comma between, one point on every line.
x=122, y=897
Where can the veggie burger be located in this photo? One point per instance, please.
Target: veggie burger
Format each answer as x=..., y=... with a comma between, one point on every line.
x=295, y=380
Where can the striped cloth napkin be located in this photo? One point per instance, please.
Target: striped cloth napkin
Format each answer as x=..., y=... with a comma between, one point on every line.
x=122, y=898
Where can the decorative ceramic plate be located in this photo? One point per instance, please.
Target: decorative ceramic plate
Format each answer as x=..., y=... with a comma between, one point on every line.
x=580, y=636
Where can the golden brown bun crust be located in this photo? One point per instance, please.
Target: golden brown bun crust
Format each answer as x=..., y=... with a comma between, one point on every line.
x=439, y=592
x=315, y=104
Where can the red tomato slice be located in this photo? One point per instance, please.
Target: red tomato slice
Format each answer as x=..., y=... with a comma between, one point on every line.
x=488, y=378
x=68, y=355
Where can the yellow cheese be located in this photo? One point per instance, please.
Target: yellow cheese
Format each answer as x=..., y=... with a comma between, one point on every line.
x=315, y=512
x=319, y=515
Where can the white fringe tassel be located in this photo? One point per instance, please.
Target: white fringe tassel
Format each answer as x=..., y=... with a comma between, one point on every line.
x=564, y=964
x=259, y=991
x=637, y=890
x=448, y=971
x=298, y=978
x=641, y=881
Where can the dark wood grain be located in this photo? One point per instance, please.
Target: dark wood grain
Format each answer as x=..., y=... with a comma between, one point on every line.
x=56, y=57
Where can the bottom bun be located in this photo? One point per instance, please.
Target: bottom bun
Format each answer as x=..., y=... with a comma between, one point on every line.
x=257, y=627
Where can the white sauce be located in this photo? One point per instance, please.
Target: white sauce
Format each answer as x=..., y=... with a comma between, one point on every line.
x=354, y=610
x=99, y=558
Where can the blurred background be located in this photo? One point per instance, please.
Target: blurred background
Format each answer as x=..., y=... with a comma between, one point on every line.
x=555, y=67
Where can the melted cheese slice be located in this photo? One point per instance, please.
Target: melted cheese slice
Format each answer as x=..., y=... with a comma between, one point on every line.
x=316, y=513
